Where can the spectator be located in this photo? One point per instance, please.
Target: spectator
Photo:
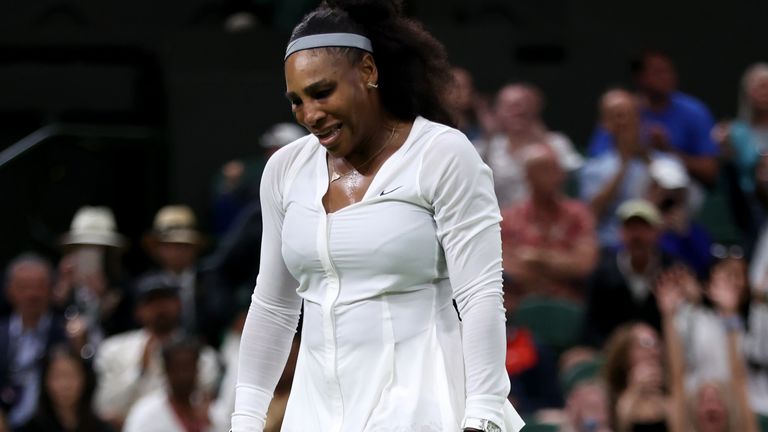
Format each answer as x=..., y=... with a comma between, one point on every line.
x=175, y=244
x=27, y=335
x=518, y=112
x=709, y=411
x=681, y=237
x=65, y=399
x=620, y=289
x=633, y=373
x=129, y=365
x=237, y=186
x=465, y=103
x=587, y=408
x=706, y=333
x=744, y=146
x=177, y=408
x=673, y=122
x=621, y=172
x=549, y=245
x=235, y=261
x=88, y=288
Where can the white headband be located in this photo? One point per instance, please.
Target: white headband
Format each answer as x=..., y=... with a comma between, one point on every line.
x=351, y=40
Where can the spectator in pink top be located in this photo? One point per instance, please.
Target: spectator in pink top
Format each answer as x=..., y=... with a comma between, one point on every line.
x=549, y=243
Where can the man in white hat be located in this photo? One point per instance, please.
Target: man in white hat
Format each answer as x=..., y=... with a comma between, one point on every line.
x=89, y=287
x=682, y=237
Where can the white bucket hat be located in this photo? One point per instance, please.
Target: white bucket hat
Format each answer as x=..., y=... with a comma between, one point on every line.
x=93, y=226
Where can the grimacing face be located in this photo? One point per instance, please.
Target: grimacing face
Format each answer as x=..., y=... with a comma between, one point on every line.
x=330, y=97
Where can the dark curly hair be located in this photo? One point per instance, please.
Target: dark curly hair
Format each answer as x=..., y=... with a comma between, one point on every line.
x=46, y=418
x=414, y=72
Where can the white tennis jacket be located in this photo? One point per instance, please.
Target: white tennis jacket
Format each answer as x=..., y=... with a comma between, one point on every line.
x=382, y=347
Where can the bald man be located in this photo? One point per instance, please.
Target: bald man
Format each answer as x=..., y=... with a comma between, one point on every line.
x=621, y=172
x=548, y=240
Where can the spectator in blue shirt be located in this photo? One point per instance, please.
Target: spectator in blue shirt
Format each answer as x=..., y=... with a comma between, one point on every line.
x=621, y=172
x=673, y=121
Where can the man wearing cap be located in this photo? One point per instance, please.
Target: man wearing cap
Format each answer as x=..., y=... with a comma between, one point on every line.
x=620, y=289
x=175, y=244
x=681, y=236
x=26, y=336
x=129, y=365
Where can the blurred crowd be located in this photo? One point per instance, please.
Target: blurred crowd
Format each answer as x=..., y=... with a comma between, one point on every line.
x=623, y=312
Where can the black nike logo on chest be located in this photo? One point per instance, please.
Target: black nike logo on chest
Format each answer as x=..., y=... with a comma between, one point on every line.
x=387, y=192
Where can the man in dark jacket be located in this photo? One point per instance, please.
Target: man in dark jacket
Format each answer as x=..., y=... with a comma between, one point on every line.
x=26, y=335
x=621, y=288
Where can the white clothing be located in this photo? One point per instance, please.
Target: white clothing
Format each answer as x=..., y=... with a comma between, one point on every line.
x=758, y=267
x=120, y=380
x=153, y=413
x=704, y=341
x=222, y=408
x=381, y=346
x=508, y=170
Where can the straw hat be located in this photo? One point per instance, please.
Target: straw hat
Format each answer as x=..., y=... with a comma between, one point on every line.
x=93, y=226
x=174, y=224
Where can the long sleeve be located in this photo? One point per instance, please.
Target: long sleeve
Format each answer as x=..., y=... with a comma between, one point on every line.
x=460, y=188
x=273, y=314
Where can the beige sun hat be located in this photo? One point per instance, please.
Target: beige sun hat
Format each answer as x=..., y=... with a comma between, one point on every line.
x=93, y=226
x=174, y=224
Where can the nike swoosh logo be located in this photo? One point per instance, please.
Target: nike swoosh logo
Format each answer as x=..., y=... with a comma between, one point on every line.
x=389, y=191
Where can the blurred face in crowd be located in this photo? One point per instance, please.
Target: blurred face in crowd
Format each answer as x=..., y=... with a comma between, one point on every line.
x=639, y=236
x=176, y=257
x=646, y=347
x=736, y=271
x=620, y=114
x=181, y=370
x=160, y=312
x=587, y=408
x=29, y=289
x=518, y=108
x=658, y=76
x=711, y=413
x=757, y=89
x=463, y=91
x=543, y=171
x=65, y=382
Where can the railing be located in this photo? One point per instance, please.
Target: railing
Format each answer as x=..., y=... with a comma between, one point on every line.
x=53, y=130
